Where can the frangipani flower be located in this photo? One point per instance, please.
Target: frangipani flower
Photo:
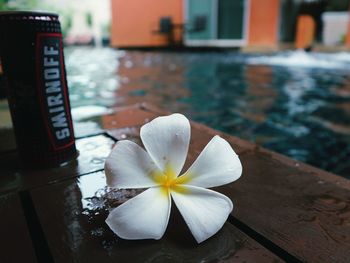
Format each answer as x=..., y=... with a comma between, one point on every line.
x=166, y=140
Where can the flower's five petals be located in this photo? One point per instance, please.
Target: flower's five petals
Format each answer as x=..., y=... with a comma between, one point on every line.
x=129, y=166
x=204, y=211
x=216, y=165
x=145, y=216
x=166, y=139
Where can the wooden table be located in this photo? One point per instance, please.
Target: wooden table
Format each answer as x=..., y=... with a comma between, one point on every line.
x=284, y=210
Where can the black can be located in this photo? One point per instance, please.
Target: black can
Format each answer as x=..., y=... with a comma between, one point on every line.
x=31, y=52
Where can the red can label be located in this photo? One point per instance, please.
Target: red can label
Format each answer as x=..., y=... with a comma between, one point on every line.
x=52, y=90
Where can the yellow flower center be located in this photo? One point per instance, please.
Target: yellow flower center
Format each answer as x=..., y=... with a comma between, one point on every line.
x=169, y=182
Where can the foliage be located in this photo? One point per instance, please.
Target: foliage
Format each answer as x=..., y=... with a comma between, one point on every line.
x=88, y=19
x=338, y=5
x=66, y=23
x=18, y=4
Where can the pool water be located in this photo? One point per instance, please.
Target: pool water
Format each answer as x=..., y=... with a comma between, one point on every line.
x=295, y=103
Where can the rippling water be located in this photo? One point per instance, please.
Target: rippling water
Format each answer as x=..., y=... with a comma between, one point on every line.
x=294, y=103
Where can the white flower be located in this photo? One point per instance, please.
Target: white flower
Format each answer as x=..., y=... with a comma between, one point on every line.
x=166, y=140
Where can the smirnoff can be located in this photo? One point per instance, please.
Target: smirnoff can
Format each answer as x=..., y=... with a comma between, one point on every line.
x=31, y=52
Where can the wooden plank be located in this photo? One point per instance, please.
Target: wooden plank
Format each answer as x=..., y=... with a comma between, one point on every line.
x=130, y=133
x=121, y=117
x=16, y=245
x=92, y=151
x=118, y=118
x=72, y=214
x=92, y=154
x=303, y=210
x=203, y=132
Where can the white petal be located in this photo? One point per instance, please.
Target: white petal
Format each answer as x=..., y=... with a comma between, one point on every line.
x=145, y=216
x=129, y=166
x=216, y=165
x=166, y=139
x=205, y=211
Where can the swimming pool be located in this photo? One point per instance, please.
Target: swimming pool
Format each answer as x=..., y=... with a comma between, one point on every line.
x=295, y=103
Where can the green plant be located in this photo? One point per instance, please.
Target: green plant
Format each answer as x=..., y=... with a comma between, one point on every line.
x=89, y=19
x=67, y=22
x=18, y=4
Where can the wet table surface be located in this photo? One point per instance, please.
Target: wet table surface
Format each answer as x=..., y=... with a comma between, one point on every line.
x=284, y=210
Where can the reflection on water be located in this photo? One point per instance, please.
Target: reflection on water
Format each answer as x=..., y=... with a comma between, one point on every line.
x=301, y=59
x=295, y=103
x=91, y=73
x=86, y=112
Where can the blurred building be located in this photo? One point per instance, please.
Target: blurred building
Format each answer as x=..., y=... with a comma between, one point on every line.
x=83, y=21
x=225, y=23
x=335, y=26
x=136, y=23
x=222, y=23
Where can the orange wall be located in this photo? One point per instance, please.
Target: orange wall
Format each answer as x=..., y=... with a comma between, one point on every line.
x=134, y=21
x=263, y=22
x=305, y=34
x=347, y=39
